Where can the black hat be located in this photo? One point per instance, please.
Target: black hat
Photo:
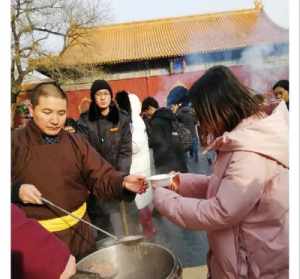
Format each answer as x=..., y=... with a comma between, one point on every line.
x=98, y=85
x=94, y=111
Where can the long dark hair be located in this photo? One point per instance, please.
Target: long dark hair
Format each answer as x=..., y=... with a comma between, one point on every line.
x=221, y=102
x=123, y=101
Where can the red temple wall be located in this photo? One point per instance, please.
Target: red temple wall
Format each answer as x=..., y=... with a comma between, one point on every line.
x=159, y=86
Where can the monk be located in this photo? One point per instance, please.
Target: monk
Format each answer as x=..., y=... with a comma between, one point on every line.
x=64, y=168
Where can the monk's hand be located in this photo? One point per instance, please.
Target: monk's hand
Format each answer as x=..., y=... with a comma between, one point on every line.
x=69, y=129
x=28, y=193
x=135, y=183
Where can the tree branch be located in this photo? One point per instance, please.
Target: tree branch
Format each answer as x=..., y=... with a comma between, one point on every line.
x=45, y=30
x=64, y=18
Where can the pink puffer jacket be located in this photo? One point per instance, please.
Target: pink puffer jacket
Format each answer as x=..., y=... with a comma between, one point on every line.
x=243, y=205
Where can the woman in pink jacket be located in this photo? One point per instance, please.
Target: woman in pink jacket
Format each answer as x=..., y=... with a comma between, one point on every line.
x=243, y=205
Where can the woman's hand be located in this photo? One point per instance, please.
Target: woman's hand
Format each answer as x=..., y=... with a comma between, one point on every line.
x=70, y=268
x=175, y=181
x=135, y=183
x=28, y=193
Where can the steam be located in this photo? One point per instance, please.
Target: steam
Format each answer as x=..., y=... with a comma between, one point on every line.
x=263, y=68
x=259, y=66
x=162, y=94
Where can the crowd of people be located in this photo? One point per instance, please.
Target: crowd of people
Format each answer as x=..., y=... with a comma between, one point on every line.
x=96, y=167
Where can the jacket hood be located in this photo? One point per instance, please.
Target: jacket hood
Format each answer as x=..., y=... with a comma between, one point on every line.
x=267, y=136
x=164, y=113
x=139, y=134
x=177, y=95
x=136, y=105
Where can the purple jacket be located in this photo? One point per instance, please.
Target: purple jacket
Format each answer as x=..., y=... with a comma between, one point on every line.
x=243, y=205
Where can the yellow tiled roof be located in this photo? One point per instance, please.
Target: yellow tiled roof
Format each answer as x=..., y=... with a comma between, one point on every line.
x=173, y=37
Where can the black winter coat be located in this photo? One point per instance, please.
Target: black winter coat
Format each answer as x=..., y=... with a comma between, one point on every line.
x=168, y=152
x=110, y=136
x=187, y=116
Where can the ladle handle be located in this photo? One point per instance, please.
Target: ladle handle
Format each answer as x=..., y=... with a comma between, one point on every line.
x=88, y=274
x=79, y=219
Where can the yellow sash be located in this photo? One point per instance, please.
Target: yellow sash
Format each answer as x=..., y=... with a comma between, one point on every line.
x=64, y=222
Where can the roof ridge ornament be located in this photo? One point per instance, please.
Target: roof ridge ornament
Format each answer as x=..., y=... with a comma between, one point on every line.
x=258, y=5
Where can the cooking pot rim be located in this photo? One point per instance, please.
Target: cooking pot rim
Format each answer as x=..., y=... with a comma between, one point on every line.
x=141, y=243
x=177, y=266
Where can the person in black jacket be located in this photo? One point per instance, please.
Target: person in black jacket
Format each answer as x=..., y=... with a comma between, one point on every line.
x=168, y=152
x=178, y=101
x=108, y=130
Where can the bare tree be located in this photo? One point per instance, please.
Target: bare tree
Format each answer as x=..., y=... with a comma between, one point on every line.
x=34, y=24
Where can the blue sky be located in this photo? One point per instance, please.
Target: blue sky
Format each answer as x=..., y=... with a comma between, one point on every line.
x=135, y=10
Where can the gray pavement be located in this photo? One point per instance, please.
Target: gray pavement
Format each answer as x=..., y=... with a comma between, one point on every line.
x=189, y=246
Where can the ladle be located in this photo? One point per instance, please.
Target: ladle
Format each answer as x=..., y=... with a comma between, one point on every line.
x=91, y=275
x=87, y=274
x=128, y=240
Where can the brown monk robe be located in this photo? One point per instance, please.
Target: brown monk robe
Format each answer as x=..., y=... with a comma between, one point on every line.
x=64, y=172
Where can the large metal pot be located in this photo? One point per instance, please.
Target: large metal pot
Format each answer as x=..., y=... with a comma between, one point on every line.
x=141, y=261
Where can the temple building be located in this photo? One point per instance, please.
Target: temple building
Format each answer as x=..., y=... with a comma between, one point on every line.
x=149, y=57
